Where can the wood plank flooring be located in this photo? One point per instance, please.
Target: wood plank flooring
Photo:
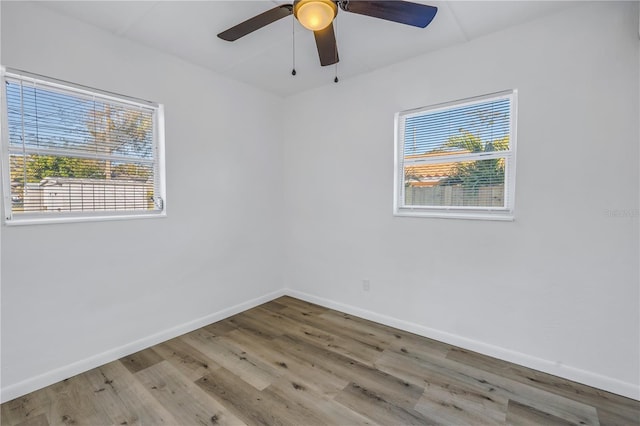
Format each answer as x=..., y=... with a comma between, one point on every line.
x=289, y=362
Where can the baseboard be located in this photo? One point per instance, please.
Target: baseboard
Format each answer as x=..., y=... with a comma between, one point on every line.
x=21, y=388
x=571, y=373
x=595, y=380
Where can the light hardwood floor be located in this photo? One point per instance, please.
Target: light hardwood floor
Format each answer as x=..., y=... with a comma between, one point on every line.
x=289, y=362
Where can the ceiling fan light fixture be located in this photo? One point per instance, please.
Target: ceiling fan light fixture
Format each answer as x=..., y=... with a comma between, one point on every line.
x=315, y=15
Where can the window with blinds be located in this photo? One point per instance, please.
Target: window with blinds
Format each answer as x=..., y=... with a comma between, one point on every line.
x=457, y=159
x=75, y=153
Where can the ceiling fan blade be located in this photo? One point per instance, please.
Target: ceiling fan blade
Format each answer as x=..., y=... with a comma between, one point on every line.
x=404, y=12
x=257, y=22
x=327, y=47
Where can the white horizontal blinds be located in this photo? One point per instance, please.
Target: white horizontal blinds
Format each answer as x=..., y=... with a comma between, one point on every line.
x=474, y=127
x=73, y=151
x=457, y=155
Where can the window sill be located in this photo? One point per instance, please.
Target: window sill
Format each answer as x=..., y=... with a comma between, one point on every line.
x=34, y=220
x=456, y=214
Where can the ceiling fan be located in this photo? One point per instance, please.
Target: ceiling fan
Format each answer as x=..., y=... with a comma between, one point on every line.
x=318, y=16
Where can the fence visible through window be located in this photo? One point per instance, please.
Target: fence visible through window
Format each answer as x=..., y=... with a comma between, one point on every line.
x=79, y=195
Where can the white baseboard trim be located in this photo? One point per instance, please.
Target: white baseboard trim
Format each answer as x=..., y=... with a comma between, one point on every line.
x=34, y=383
x=571, y=373
x=595, y=380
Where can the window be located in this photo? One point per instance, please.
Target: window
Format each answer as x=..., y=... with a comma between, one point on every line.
x=73, y=153
x=457, y=159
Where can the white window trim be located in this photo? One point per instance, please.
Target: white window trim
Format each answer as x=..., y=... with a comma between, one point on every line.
x=505, y=213
x=70, y=217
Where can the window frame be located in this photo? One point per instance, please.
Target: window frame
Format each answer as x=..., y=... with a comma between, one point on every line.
x=158, y=155
x=505, y=213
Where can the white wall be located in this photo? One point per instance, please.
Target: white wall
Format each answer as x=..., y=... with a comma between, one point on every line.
x=557, y=289
x=74, y=295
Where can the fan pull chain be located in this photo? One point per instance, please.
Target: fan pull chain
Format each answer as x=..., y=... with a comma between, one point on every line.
x=293, y=44
x=335, y=80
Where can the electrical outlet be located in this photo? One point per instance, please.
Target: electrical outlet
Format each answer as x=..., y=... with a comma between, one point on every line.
x=366, y=285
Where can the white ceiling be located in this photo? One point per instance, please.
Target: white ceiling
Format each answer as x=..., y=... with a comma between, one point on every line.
x=188, y=29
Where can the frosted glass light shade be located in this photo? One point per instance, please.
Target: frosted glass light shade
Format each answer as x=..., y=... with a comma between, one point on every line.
x=315, y=15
